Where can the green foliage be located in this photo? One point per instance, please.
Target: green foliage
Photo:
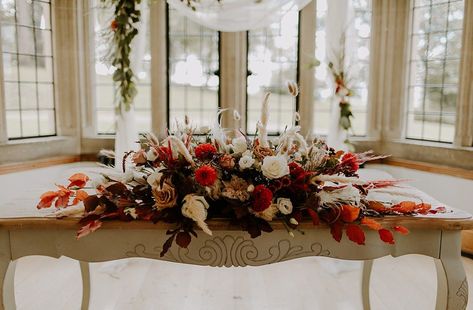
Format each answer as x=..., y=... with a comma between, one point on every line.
x=126, y=16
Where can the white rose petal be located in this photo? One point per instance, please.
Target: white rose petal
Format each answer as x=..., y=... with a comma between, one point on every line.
x=239, y=145
x=195, y=207
x=275, y=167
x=284, y=205
x=246, y=162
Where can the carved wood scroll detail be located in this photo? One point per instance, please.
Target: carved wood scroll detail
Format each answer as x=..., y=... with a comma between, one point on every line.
x=232, y=251
x=462, y=293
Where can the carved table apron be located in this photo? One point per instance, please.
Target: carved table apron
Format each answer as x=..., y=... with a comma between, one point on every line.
x=437, y=238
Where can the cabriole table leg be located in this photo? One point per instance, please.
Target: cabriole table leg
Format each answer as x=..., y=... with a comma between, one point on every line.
x=365, y=283
x=452, y=285
x=85, y=273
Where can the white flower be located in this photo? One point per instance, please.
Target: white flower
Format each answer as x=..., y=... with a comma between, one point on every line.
x=343, y=195
x=195, y=207
x=246, y=162
x=151, y=155
x=297, y=156
x=274, y=167
x=250, y=188
x=293, y=221
x=154, y=179
x=284, y=205
x=239, y=145
x=203, y=130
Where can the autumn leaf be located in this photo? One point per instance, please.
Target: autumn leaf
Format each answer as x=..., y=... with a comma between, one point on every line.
x=336, y=229
x=46, y=200
x=183, y=239
x=386, y=236
x=78, y=180
x=91, y=202
x=80, y=196
x=63, y=197
x=349, y=213
x=423, y=208
x=355, y=234
x=404, y=207
x=315, y=217
x=377, y=206
x=401, y=229
x=370, y=223
x=87, y=229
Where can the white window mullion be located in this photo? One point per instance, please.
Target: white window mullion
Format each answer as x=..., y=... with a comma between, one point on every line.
x=3, y=118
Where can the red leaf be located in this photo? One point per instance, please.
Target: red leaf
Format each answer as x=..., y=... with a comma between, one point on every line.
x=46, y=200
x=386, y=236
x=315, y=217
x=404, y=207
x=355, y=234
x=78, y=180
x=423, y=208
x=401, y=229
x=183, y=239
x=63, y=197
x=87, y=229
x=349, y=213
x=377, y=206
x=336, y=229
x=371, y=224
x=80, y=196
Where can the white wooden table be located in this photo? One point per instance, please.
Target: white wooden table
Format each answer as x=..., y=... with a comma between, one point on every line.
x=24, y=231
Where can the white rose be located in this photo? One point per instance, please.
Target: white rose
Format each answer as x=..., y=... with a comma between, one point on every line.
x=195, y=207
x=275, y=167
x=239, y=145
x=151, y=155
x=284, y=205
x=246, y=162
x=247, y=153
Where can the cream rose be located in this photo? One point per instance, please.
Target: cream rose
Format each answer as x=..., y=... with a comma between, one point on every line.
x=246, y=162
x=164, y=197
x=274, y=167
x=284, y=205
x=239, y=145
x=195, y=207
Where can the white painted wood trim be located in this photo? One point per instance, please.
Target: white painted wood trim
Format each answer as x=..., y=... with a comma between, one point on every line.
x=3, y=116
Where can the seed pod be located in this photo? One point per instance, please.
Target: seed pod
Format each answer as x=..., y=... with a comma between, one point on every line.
x=293, y=88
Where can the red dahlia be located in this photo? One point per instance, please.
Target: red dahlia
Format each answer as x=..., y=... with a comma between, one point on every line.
x=350, y=161
x=205, y=151
x=206, y=175
x=295, y=169
x=262, y=198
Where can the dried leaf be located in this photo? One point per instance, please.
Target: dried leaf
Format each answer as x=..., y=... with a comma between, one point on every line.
x=386, y=236
x=404, y=207
x=370, y=223
x=91, y=202
x=401, y=229
x=46, y=200
x=423, y=208
x=167, y=245
x=117, y=188
x=336, y=229
x=377, y=206
x=183, y=239
x=63, y=197
x=78, y=180
x=315, y=217
x=80, y=196
x=349, y=213
x=87, y=229
x=355, y=234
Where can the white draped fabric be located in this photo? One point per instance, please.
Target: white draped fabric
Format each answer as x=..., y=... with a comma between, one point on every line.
x=237, y=15
x=340, y=40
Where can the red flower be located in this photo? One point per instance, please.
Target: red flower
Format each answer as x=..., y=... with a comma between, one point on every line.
x=205, y=151
x=206, y=175
x=263, y=197
x=295, y=169
x=350, y=161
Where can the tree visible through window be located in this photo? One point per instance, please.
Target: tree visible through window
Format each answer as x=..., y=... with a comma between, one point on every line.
x=436, y=40
x=28, y=68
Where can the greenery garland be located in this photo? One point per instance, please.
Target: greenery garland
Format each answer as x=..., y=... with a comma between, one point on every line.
x=123, y=26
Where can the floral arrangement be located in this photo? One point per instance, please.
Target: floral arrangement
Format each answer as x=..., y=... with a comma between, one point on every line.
x=187, y=179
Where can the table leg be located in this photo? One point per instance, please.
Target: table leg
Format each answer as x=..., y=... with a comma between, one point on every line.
x=452, y=286
x=365, y=283
x=85, y=273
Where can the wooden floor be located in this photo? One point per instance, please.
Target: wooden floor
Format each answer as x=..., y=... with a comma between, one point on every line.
x=407, y=282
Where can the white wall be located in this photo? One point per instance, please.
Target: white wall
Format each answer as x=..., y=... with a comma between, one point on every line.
x=453, y=191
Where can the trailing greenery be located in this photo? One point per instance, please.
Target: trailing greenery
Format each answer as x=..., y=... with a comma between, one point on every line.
x=123, y=26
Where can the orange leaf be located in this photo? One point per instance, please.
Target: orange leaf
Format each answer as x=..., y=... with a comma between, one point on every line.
x=386, y=236
x=87, y=229
x=336, y=229
x=370, y=223
x=349, y=213
x=78, y=180
x=315, y=217
x=377, y=206
x=423, y=208
x=401, y=229
x=63, y=197
x=80, y=196
x=46, y=200
x=404, y=207
x=355, y=234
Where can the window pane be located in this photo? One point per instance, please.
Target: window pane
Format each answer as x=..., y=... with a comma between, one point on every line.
x=28, y=75
x=272, y=61
x=358, y=68
x=434, y=69
x=102, y=83
x=193, y=69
